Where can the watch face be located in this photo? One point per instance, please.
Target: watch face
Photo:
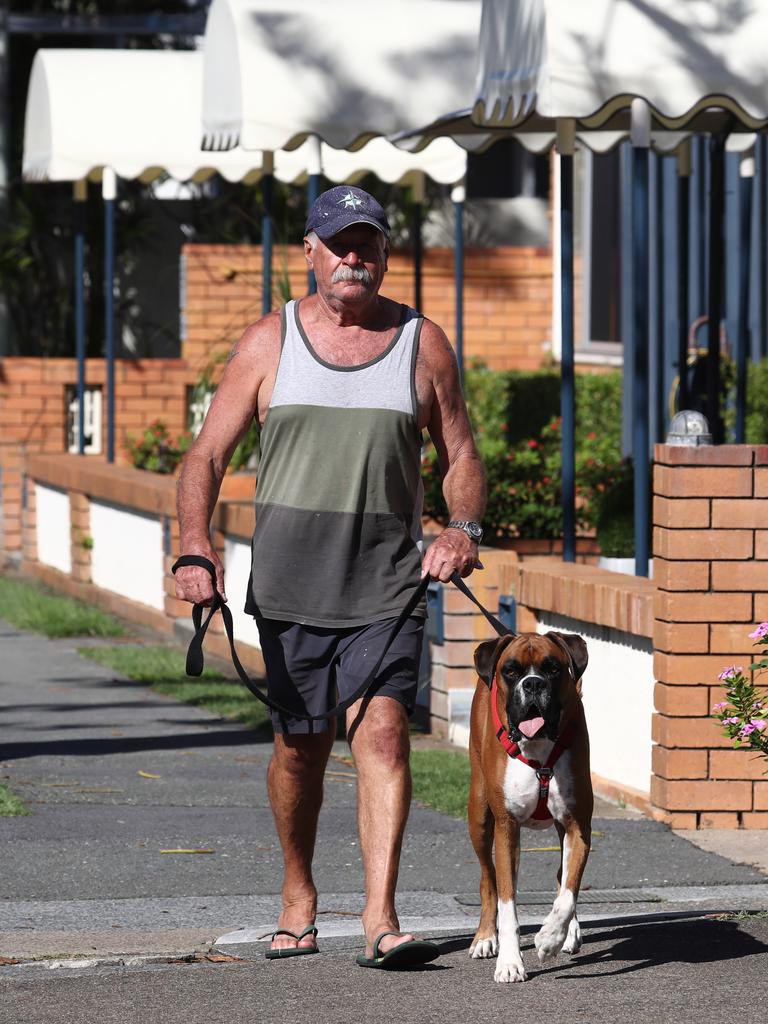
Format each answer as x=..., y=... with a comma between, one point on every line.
x=475, y=531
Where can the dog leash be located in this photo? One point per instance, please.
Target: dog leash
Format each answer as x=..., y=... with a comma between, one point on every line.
x=196, y=662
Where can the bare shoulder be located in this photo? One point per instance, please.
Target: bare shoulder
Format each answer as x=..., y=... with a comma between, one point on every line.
x=259, y=343
x=435, y=351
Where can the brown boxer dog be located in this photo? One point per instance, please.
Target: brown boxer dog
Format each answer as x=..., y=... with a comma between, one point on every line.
x=529, y=752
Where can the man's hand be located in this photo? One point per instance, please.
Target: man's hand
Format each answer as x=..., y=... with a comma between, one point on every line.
x=193, y=584
x=452, y=552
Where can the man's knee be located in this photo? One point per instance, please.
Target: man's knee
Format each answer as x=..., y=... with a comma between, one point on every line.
x=303, y=756
x=384, y=736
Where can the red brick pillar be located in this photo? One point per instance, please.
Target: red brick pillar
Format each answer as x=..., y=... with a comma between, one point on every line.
x=710, y=517
x=464, y=627
x=80, y=533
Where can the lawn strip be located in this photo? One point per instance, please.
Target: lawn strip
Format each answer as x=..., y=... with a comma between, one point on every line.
x=31, y=606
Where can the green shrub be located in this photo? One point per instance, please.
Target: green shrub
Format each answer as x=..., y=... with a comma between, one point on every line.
x=756, y=431
x=616, y=517
x=515, y=417
x=156, y=451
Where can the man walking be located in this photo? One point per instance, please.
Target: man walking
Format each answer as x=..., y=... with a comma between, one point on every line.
x=343, y=383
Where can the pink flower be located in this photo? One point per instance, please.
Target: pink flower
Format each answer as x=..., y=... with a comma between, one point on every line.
x=760, y=632
x=759, y=724
x=729, y=673
x=719, y=707
x=730, y=721
x=745, y=730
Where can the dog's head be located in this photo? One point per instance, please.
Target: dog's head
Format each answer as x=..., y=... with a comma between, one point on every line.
x=537, y=676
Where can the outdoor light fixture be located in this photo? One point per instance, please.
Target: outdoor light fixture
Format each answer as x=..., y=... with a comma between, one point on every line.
x=689, y=428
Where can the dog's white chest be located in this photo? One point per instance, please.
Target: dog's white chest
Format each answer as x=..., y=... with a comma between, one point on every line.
x=521, y=791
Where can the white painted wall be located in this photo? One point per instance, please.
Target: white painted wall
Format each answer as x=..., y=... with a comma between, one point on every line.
x=127, y=555
x=237, y=571
x=618, y=699
x=53, y=526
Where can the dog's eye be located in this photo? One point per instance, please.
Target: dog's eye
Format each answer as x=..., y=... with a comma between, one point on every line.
x=551, y=667
x=511, y=669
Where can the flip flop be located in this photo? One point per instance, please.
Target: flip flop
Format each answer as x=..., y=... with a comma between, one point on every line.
x=407, y=954
x=280, y=954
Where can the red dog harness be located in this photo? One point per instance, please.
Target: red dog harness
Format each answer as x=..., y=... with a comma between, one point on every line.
x=544, y=772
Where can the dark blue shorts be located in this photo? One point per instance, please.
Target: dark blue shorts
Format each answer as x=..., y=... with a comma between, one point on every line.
x=312, y=668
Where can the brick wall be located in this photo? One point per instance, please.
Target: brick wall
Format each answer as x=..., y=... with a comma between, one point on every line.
x=507, y=298
x=711, y=571
x=33, y=416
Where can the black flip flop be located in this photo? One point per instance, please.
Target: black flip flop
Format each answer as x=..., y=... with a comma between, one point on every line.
x=280, y=954
x=407, y=954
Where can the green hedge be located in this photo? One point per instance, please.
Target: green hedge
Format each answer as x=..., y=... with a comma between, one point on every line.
x=515, y=417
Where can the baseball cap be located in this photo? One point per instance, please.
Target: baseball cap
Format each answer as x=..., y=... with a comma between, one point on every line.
x=341, y=206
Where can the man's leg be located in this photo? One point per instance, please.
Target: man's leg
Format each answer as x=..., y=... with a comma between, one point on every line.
x=378, y=731
x=295, y=784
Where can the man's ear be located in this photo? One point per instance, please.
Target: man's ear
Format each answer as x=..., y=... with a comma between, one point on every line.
x=308, y=251
x=577, y=649
x=487, y=656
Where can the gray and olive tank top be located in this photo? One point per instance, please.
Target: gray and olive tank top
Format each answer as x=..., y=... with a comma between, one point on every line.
x=338, y=500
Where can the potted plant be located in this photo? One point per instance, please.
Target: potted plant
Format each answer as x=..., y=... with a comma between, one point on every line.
x=616, y=525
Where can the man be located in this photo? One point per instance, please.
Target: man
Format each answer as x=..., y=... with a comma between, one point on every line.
x=343, y=383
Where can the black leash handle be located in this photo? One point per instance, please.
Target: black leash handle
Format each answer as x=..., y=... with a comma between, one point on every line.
x=196, y=661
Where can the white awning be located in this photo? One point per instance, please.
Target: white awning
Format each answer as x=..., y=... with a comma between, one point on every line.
x=587, y=61
x=442, y=160
x=277, y=71
x=138, y=112
x=135, y=111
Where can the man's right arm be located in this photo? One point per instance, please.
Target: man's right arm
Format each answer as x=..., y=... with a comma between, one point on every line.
x=234, y=406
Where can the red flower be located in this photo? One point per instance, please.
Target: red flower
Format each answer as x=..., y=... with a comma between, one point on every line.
x=533, y=444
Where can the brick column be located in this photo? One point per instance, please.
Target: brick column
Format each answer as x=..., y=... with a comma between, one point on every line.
x=28, y=504
x=464, y=626
x=710, y=546
x=80, y=533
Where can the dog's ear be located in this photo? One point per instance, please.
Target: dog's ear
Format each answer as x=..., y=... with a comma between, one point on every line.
x=576, y=648
x=487, y=655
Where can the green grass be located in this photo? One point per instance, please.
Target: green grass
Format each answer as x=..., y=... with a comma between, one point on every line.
x=163, y=670
x=28, y=605
x=441, y=780
x=10, y=805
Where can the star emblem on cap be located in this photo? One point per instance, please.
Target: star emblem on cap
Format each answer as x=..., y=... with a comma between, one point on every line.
x=350, y=200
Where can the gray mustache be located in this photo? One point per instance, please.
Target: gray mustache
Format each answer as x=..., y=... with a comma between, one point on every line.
x=352, y=274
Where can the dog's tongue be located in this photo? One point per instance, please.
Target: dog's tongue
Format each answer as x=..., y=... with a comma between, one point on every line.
x=530, y=727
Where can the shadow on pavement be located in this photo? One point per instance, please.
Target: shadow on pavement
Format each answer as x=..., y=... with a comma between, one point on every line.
x=226, y=736
x=647, y=943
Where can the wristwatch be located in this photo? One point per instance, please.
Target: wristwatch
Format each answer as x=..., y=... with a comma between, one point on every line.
x=473, y=530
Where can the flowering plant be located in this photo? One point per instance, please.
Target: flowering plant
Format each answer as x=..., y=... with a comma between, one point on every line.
x=743, y=714
x=156, y=450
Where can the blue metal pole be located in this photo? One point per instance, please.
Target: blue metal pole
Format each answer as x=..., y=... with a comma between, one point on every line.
x=313, y=191
x=567, y=359
x=684, y=220
x=458, y=262
x=109, y=306
x=640, y=353
x=266, y=243
x=80, y=196
x=715, y=282
x=417, y=254
x=742, y=352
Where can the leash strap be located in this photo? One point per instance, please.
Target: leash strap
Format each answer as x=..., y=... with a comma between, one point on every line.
x=499, y=626
x=196, y=661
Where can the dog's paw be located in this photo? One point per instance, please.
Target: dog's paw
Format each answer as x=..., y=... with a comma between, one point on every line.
x=510, y=971
x=550, y=938
x=484, y=949
x=572, y=942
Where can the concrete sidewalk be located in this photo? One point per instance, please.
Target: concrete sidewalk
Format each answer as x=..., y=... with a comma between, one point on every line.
x=88, y=881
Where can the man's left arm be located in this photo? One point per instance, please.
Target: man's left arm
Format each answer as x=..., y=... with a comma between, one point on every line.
x=460, y=463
